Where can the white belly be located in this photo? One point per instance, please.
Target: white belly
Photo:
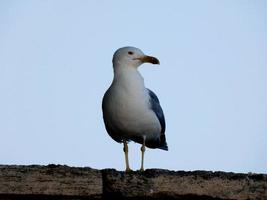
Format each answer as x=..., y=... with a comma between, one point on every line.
x=128, y=108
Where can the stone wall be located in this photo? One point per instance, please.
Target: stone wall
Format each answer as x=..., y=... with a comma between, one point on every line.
x=63, y=182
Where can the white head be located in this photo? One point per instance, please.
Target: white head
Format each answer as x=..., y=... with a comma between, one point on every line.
x=131, y=57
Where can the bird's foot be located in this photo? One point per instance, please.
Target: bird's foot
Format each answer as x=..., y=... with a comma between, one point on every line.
x=128, y=169
x=141, y=169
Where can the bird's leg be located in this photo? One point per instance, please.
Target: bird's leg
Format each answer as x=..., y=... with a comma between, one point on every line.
x=143, y=149
x=125, y=149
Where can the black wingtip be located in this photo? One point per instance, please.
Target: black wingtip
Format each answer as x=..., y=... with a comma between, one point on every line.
x=165, y=147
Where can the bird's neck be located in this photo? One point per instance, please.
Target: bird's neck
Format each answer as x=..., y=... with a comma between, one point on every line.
x=128, y=77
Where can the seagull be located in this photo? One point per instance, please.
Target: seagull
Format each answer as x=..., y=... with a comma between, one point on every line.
x=132, y=112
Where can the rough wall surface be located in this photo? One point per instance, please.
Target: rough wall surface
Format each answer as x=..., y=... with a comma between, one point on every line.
x=63, y=182
x=51, y=180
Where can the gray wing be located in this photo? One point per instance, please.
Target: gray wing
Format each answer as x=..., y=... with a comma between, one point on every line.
x=155, y=106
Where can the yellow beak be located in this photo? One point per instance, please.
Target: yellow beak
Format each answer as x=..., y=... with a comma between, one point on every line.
x=149, y=59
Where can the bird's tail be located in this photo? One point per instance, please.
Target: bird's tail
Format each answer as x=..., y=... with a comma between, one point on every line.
x=158, y=144
x=164, y=146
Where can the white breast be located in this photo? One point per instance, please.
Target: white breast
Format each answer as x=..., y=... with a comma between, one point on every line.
x=127, y=104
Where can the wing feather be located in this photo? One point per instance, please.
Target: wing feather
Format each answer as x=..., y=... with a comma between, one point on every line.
x=155, y=106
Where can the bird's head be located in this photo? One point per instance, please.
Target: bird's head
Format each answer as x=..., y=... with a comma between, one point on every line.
x=132, y=57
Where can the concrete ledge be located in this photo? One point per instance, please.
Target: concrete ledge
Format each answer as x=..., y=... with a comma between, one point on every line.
x=63, y=182
x=49, y=181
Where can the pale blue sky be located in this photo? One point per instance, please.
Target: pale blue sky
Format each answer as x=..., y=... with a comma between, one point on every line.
x=55, y=65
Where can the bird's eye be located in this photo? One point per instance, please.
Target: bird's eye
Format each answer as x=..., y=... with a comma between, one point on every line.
x=130, y=52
